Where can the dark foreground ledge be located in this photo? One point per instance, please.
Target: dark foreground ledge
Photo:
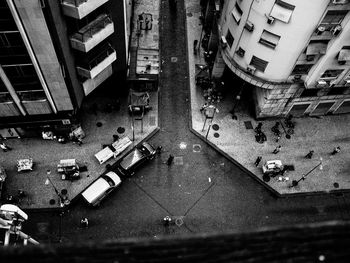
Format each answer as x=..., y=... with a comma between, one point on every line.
x=321, y=242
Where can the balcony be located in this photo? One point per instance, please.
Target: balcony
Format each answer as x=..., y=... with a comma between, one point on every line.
x=97, y=62
x=80, y=8
x=92, y=34
x=91, y=84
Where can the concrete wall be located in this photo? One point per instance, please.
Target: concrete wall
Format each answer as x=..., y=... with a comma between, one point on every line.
x=294, y=35
x=33, y=20
x=59, y=33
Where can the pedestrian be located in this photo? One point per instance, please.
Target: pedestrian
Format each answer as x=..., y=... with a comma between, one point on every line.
x=5, y=147
x=336, y=150
x=277, y=150
x=84, y=222
x=167, y=220
x=309, y=155
x=257, y=161
x=159, y=149
x=258, y=128
x=170, y=160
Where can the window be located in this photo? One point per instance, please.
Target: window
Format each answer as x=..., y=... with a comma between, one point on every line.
x=337, y=91
x=237, y=13
x=240, y=52
x=269, y=39
x=229, y=38
x=302, y=69
x=331, y=73
x=332, y=19
x=258, y=63
x=282, y=11
x=309, y=93
x=344, y=55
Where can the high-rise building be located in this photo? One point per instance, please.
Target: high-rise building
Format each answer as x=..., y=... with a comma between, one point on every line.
x=54, y=53
x=295, y=53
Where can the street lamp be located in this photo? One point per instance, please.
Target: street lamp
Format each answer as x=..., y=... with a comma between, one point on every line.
x=296, y=182
x=63, y=201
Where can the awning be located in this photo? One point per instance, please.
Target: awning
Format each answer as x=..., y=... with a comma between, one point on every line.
x=281, y=13
x=316, y=48
x=344, y=55
x=236, y=15
x=270, y=37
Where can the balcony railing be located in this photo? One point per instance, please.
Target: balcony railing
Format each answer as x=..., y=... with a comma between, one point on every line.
x=97, y=63
x=80, y=8
x=75, y=2
x=91, y=29
x=93, y=33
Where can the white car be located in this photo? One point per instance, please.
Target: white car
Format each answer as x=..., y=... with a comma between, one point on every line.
x=272, y=168
x=99, y=189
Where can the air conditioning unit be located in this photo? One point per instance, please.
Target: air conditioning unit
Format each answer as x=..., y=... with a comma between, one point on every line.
x=251, y=69
x=297, y=78
x=223, y=41
x=336, y=30
x=347, y=83
x=249, y=26
x=340, y=2
x=321, y=83
x=320, y=30
x=270, y=20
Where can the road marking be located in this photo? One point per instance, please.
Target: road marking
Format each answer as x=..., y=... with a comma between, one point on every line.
x=178, y=160
x=196, y=148
x=183, y=145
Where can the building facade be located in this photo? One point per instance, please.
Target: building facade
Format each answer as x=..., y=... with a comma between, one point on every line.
x=55, y=53
x=294, y=53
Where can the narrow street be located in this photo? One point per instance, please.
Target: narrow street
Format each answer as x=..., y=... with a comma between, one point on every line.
x=207, y=191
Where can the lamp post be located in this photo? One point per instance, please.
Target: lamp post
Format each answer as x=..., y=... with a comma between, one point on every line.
x=296, y=182
x=63, y=201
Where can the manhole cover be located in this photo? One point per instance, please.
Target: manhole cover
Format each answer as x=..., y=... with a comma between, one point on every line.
x=43, y=227
x=216, y=135
x=52, y=201
x=173, y=59
x=189, y=14
x=99, y=124
x=121, y=130
x=196, y=148
x=215, y=127
x=266, y=178
x=336, y=185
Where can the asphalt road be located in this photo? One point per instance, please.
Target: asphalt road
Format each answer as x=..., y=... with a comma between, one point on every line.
x=202, y=189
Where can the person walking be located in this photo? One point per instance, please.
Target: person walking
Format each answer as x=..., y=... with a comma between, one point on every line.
x=336, y=150
x=170, y=160
x=277, y=150
x=309, y=155
x=5, y=147
x=84, y=222
x=257, y=161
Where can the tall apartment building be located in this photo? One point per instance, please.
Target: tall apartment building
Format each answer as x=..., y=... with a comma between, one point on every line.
x=295, y=53
x=53, y=53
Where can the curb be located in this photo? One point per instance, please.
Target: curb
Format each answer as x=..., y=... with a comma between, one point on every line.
x=215, y=147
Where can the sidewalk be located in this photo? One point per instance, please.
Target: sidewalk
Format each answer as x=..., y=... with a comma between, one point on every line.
x=47, y=154
x=238, y=143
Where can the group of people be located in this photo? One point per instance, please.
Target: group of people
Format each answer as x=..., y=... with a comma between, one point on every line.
x=260, y=136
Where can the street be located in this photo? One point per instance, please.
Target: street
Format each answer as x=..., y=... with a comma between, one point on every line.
x=203, y=188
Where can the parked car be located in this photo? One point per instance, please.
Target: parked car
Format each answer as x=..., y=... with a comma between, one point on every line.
x=99, y=189
x=273, y=168
x=128, y=164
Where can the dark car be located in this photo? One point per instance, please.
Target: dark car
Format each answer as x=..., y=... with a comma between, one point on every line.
x=128, y=164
